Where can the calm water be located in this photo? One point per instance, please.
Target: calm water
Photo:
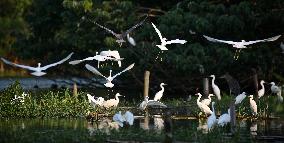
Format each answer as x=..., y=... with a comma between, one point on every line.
x=79, y=130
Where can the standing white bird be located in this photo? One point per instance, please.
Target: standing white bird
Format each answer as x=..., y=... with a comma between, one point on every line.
x=99, y=101
x=253, y=105
x=262, y=90
x=118, y=118
x=204, y=108
x=131, y=40
x=164, y=41
x=37, y=70
x=241, y=45
x=120, y=37
x=159, y=94
x=224, y=119
x=212, y=118
x=207, y=101
x=114, y=54
x=97, y=57
x=143, y=104
x=240, y=98
x=216, y=89
x=276, y=90
x=110, y=78
x=111, y=102
x=129, y=118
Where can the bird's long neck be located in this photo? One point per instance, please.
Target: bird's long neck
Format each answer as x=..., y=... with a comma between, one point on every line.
x=110, y=71
x=162, y=88
x=198, y=99
x=116, y=97
x=213, y=80
x=262, y=86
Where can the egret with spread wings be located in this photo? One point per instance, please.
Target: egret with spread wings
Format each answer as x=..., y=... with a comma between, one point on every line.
x=121, y=36
x=241, y=45
x=37, y=70
x=110, y=78
x=164, y=41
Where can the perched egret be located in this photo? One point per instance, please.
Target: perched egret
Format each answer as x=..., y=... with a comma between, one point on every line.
x=111, y=102
x=224, y=119
x=262, y=90
x=143, y=104
x=110, y=77
x=114, y=54
x=212, y=118
x=99, y=101
x=274, y=88
x=120, y=37
x=119, y=119
x=253, y=105
x=240, y=98
x=203, y=107
x=131, y=40
x=37, y=70
x=159, y=94
x=241, y=45
x=216, y=89
x=164, y=41
x=207, y=101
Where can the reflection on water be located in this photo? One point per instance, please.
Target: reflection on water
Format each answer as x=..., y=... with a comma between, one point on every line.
x=57, y=129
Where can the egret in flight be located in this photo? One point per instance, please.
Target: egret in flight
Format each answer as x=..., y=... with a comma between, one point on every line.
x=110, y=78
x=159, y=94
x=241, y=45
x=114, y=54
x=164, y=41
x=120, y=36
x=216, y=89
x=37, y=70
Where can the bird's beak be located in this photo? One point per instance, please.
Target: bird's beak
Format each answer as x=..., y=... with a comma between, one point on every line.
x=165, y=84
x=222, y=76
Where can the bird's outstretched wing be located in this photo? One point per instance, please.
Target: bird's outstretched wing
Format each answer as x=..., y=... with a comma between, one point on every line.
x=108, y=30
x=79, y=61
x=128, y=68
x=217, y=40
x=135, y=26
x=264, y=40
x=18, y=65
x=57, y=63
x=176, y=41
x=94, y=70
x=158, y=31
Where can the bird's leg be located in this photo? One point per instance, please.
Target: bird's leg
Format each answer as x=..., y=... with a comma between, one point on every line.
x=98, y=64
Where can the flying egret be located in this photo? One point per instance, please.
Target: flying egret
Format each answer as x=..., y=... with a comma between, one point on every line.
x=97, y=57
x=212, y=118
x=207, y=101
x=203, y=107
x=241, y=45
x=118, y=118
x=216, y=89
x=164, y=41
x=114, y=54
x=253, y=105
x=99, y=101
x=240, y=98
x=110, y=78
x=120, y=37
x=224, y=119
x=262, y=90
x=282, y=47
x=159, y=94
x=37, y=70
x=131, y=40
x=111, y=102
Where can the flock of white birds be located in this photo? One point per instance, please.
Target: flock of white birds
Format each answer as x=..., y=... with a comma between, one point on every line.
x=115, y=56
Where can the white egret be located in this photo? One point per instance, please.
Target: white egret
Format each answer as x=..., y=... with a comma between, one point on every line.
x=262, y=90
x=164, y=41
x=143, y=104
x=114, y=54
x=111, y=102
x=207, y=101
x=99, y=101
x=110, y=78
x=203, y=107
x=129, y=118
x=253, y=105
x=224, y=119
x=241, y=45
x=37, y=70
x=216, y=89
x=159, y=94
x=274, y=88
x=131, y=40
x=119, y=119
x=120, y=37
x=212, y=118
x=240, y=98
